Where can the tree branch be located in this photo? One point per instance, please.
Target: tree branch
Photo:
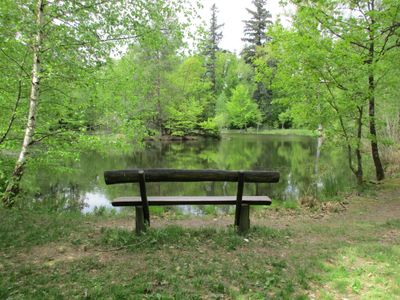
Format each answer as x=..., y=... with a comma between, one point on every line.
x=395, y=45
x=337, y=34
x=83, y=43
x=21, y=66
x=14, y=113
x=47, y=135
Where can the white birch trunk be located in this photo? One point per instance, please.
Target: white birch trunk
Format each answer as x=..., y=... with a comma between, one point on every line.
x=13, y=186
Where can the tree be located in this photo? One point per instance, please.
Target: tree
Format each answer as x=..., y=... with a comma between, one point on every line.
x=211, y=48
x=13, y=186
x=241, y=110
x=255, y=36
x=154, y=63
x=329, y=95
x=324, y=66
x=189, y=96
x=371, y=30
x=214, y=36
x=231, y=71
x=255, y=29
x=65, y=40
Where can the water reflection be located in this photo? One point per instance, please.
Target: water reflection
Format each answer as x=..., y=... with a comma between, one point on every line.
x=96, y=199
x=306, y=167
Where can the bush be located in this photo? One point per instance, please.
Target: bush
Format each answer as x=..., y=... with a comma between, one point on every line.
x=210, y=128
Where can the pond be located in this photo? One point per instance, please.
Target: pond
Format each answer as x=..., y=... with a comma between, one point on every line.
x=306, y=167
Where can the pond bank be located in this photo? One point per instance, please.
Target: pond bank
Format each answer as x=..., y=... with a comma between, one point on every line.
x=348, y=250
x=294, y=132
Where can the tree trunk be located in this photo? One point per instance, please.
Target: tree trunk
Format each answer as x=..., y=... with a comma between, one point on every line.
x=160, y=121
x=380, y=174
x=371, y=88
x=14, y=184
x=359, y=173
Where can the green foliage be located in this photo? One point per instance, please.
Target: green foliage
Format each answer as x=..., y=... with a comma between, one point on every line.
x=211, y=48
x=210, y=127
x=242, y=112
x=305, y=76
x=324, y=81
x=81, y=89
x=255, y=29
x=183, y=117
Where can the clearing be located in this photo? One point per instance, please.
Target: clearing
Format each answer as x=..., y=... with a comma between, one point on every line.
x=339, y=250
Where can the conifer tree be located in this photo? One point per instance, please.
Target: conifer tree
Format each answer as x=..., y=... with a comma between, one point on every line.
x=255, y=29
x=213, y=38
x=255, y=36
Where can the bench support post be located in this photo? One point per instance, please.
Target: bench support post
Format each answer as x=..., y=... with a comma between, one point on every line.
x=139, y=220
x=239, y=197
x=143, y=195
x=244, y=220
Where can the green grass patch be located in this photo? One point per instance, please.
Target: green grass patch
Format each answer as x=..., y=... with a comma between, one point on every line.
x=21, y=228
x=370, y=270
x=47, y=255
x=394, y=223
x=187, y=238
x=299, y=132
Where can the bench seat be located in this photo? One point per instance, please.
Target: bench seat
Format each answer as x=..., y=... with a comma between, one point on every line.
x=191, y=200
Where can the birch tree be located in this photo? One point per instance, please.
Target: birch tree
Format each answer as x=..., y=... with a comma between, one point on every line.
x=65, y=39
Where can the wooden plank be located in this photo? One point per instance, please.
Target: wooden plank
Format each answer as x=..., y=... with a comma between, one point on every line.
x=190, y=200
x=143, y=196
x=175, y=175
x=239, y=196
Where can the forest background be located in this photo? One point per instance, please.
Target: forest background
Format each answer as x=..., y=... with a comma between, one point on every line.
x=335, y=69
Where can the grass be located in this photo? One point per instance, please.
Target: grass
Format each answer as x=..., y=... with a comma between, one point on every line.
x=300, y=132
x=286, y=255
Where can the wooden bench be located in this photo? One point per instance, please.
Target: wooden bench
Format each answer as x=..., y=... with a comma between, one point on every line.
x=142, y=203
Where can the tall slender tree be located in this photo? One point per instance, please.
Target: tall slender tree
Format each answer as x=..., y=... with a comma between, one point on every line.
x=213, y=38
x=255, y=36
x=255, y=29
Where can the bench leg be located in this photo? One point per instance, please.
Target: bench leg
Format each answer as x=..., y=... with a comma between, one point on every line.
x=140, y=223
x=244, y=220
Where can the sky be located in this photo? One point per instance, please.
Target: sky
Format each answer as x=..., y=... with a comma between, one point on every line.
x=232, y=13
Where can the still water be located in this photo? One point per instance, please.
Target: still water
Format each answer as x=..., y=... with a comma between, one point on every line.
x=307, y=167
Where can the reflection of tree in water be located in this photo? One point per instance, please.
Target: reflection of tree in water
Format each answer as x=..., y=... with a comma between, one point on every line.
x=61, y=197
x=333, y=174
x=299, y=164
x=63, y=184
x=235, y=154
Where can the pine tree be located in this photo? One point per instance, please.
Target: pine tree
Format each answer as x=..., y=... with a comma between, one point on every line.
x=255, y=36
x=213, y=38
x=255, y=29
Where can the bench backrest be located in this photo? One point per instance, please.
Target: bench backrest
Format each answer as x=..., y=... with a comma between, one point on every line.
x=178, y=175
